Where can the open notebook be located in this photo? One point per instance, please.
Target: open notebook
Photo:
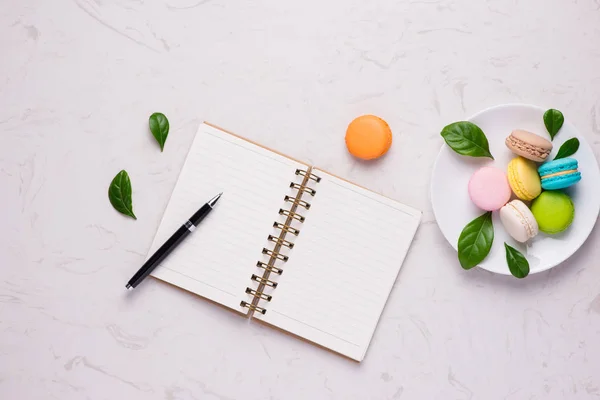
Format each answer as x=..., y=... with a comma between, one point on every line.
x=287, y=244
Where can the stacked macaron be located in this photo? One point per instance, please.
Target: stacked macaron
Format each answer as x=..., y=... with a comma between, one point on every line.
x=552, y=211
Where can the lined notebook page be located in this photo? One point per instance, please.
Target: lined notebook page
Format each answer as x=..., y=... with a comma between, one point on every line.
x=218, y=258
x=342, y=267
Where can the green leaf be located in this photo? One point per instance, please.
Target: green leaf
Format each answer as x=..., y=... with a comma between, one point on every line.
x=159, y=126
x=517, y=263
x=553, y=119
x=475, y=241
x=119, y=194
x=467, y=139
x=568, y=148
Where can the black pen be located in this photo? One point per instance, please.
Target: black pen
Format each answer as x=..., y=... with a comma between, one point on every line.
x=164, y=250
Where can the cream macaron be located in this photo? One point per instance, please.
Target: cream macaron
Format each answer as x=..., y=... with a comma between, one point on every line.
x=518, y=220
x=529, y=145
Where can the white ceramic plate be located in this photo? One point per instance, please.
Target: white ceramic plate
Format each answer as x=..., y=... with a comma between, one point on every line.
x=453, y=208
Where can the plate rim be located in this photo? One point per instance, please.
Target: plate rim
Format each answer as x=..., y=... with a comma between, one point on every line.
x=434, y=169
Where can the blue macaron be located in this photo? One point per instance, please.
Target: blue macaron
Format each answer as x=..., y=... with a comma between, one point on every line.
x=559, y=174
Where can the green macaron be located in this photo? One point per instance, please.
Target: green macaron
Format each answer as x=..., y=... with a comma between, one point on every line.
x=554, y=211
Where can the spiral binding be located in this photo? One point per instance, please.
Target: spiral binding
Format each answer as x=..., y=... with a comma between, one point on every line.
x=264, y=281
x=309, y=174
x=288, y=213
x=269, y=268
x=286, y=228
x=293, y=200
x=272, y=254
x=253, y=307
x=262, y=295
x=303, y=188
x=280, y=241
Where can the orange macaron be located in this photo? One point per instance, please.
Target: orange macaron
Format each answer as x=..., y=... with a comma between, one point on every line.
x=368, y=137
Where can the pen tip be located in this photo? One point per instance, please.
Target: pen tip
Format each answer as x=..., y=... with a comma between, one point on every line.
x=214, y=200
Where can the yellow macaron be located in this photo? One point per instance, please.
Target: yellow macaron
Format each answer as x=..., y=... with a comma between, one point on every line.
x=368, y=137
x=524, y=179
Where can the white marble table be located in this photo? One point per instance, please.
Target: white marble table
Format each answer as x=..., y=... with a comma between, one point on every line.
x=78, y=80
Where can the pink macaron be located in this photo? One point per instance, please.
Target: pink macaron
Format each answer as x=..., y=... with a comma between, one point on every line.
x=489, y=188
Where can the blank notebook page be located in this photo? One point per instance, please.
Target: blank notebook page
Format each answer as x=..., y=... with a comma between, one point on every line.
x=343, y=266
x=218, y=258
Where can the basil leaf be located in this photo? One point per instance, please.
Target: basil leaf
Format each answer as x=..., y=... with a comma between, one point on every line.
x=119, y=194
x=517, y=263
x=467, y=139
x=475, y=241
x=553, y=119
x=159, y=126
x=568, y=148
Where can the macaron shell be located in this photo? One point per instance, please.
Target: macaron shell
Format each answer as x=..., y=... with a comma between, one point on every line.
x=524, y=179
x=368, y=137
x=532, y=139
x=554, y=211
x=561, y=182
x=554, y=166
x=518, y=221
x=489, y=189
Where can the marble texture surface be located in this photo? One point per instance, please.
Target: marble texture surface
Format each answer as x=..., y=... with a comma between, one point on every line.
x=78, y=80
